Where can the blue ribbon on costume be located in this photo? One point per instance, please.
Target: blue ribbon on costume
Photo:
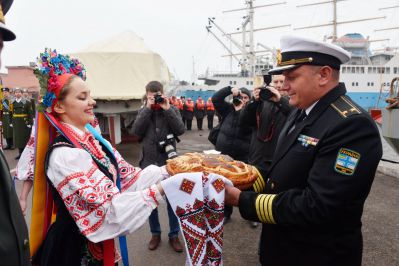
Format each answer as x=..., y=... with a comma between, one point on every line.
x=122, y=239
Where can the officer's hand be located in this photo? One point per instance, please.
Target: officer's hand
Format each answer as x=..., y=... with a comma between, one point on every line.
x=23, y=205
x=277, y=96
x=235, y=91
x=165, y=104
x=11, y=125
x=150, y=101
x=232, y=195
x=29, y=126
x=256, y=92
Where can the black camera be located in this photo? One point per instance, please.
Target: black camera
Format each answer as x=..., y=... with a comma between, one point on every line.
x=237, y=100
x=265, y=94
x=168, y=147
x=158, y=98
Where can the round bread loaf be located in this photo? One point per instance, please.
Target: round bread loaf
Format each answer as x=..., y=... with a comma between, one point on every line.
x=242, y=175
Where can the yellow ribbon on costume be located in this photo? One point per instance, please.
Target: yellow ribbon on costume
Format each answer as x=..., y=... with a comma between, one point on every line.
x=40, y=203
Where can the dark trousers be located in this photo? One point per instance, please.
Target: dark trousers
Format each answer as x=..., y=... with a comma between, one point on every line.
x=210, y=121
x=189, y=123
x=199, y=123
x=228, y=211
x=9, y=142
x=155, y=226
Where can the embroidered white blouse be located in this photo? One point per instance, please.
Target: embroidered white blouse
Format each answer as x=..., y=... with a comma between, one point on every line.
x=99, y=209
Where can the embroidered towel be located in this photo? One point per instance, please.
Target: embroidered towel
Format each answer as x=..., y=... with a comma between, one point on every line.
x=198, y=202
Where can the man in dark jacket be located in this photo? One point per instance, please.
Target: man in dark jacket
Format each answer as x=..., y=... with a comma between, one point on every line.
x=154, y=122
x=311, y=199
x=266, y=118
x=232, y=140
x=14, y=243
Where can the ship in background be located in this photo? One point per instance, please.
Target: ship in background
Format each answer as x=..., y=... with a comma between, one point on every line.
x=367, y=76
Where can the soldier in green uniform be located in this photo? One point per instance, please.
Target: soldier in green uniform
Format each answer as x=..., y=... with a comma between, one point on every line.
x=22, y=120
x=26, y=95
x=14, y=243
x=6, y=110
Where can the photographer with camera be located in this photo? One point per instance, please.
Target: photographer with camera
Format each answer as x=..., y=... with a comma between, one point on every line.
x=232, y=139
x=158, y=124
x=266, y=113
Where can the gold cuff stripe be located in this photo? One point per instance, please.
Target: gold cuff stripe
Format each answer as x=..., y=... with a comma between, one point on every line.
x=256, y=186
x=19, y=115
x=296, y=61
x=258, y=202
x=264, y=208
x=270, y=209
x=259, y=184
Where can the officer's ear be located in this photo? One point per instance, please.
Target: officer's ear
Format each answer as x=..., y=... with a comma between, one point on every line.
x=59, y=108
x=325, y=74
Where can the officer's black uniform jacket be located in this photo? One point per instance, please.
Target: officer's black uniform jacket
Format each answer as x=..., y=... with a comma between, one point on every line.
x=14, y=243
x=311, y=206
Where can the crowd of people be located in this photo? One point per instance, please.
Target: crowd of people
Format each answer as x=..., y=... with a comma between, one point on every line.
x=315, y=151
x=190, y=110
x=18, y=109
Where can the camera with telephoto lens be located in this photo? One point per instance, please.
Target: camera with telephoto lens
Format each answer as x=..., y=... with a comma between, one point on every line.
x=265, y=94
x=237, y=100
x=168, y=147
x=158, y=98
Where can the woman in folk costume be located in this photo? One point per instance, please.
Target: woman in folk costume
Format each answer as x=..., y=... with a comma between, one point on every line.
x=96, y=193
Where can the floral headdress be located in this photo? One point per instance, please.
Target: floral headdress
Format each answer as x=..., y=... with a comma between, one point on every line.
x=53, y=70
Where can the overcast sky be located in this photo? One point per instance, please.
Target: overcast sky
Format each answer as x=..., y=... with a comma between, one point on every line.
x=175, y=29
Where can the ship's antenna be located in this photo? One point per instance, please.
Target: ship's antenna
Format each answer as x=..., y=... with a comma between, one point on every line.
x=334, y=23
x=248, y=53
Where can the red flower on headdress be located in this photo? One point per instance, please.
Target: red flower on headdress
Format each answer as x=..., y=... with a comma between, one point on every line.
x=52, y=82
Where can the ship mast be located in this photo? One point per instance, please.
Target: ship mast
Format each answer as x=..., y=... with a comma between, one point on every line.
x=334, y=22
x=247, y=47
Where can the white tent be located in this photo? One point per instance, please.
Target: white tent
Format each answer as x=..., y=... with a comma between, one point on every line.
x=118, y=68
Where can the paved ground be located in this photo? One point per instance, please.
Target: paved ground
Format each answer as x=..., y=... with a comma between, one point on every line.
x=380, y=220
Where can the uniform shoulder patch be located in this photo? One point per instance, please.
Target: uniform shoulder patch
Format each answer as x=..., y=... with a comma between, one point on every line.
x=344, y=106
x=346, y=161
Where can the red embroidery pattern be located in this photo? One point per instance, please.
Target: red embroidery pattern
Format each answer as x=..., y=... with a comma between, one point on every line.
x=187, y=186
x=87, y=197
x=194, y=229
x=218, y=184
x=151, y=193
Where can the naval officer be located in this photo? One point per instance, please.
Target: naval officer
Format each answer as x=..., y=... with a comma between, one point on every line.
x=311, y=199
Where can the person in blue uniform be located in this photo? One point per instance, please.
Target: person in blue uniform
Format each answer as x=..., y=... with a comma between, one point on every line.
x=311, y=199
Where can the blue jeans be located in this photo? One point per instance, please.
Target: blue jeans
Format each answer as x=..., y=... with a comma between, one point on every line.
x=155, y=227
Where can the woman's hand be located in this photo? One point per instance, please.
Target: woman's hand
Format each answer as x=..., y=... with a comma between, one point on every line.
x=160, y=188
x=232, y=195
x=23, y=205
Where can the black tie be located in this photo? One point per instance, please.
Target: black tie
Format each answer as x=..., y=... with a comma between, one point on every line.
x=300, y=116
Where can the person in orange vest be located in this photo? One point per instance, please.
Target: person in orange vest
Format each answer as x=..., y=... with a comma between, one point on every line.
x=188, y=108
x=210, y=112
x=181, y=101
x=199, y=112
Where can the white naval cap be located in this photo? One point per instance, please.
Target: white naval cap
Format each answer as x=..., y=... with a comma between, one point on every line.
x=297, y=51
